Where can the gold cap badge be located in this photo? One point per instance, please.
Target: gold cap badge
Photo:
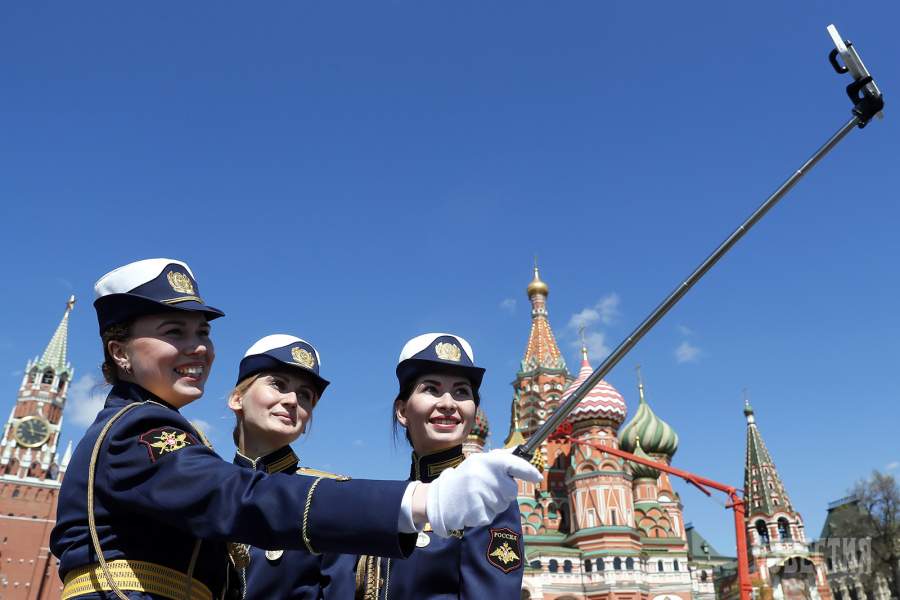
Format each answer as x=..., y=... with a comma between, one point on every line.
x=180, y=282
x=303, y=357
x=448, y=351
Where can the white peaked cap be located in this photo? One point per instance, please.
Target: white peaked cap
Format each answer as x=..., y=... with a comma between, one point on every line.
x=277, y=340
x=127, y=277
x=420, y=342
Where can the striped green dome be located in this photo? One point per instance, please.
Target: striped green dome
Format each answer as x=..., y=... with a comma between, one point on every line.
x=657, y=437
x=638, y=470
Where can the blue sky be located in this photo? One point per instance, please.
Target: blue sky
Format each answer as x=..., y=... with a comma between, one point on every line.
x=360, y=173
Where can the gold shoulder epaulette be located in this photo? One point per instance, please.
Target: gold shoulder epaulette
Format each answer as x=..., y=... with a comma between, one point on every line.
x=310, y=472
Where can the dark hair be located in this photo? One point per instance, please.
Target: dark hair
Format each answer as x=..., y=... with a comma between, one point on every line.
x=402, y=396
x=120, y=332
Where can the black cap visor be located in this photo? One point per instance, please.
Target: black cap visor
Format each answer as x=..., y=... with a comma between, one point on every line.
x=119, y=308
x=257, y=363
x=412, y=368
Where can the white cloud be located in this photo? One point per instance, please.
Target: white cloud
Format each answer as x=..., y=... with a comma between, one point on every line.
x=509, y=305
x=85, y=399
x=892, y=466
x=202, y=425
x=585, y=318
x=685, y=330
x=687, y=352
x=605, y=311
x=595, y=341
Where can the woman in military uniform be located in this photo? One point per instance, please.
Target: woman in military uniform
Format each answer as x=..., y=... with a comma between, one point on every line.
x=147, y=508
x=436, y=405
x=278, y=386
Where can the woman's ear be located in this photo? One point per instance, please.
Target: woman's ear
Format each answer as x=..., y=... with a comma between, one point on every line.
x=235, y=402
x=119, y=355
x=400, y=411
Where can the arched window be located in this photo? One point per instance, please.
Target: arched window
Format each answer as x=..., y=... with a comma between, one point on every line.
x=629, y=564
x=763, y=532
x=703, y=576
x=48, y=376
x=567, y=566
x=659, y=566
x=601, y=564
x=554, y=566
x=63, y=380
x=617, y=563
x=16, y=492
x=536, y=565
x=675, y=564
x=588, y=567
x=612, y=517
x=784, y=529
x=32, y=375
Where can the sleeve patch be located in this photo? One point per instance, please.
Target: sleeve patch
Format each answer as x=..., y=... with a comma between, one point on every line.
x=165, y=440
x=504, y=550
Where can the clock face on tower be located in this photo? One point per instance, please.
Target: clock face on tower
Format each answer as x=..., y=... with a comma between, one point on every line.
x=31, y=432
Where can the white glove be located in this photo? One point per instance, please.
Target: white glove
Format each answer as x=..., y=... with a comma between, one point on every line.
x=476, y=491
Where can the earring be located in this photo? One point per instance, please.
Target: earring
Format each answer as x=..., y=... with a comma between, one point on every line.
x=126, y=368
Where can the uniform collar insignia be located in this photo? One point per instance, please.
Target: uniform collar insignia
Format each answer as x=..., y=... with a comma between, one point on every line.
x=427, y=468
x=282, y=460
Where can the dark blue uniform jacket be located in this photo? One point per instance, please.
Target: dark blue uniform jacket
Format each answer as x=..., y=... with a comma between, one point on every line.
x=480, y=563
x=158, y=489
x=292, y=574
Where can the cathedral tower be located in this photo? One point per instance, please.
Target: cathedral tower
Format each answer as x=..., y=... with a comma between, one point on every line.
x=31, y=472
x=780, y=555
x=537, y=389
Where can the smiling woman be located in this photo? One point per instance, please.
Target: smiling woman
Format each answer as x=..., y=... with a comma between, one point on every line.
x=436, y=405
x=278, y=386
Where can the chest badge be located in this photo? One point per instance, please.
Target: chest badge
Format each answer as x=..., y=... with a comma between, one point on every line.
x=504, y=550
x=165, y=440
x=273, y=555
x=422, y=540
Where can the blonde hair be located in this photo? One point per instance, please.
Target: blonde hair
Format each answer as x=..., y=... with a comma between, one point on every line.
x=239, y=390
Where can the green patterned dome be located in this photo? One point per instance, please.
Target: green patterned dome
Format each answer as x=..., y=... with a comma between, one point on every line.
x=657, y=437
x=638, y=470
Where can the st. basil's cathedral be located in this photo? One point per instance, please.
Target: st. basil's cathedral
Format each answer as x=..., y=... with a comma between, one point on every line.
x=602, y=528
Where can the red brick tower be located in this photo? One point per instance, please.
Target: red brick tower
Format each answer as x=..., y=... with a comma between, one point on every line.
x=31, y=472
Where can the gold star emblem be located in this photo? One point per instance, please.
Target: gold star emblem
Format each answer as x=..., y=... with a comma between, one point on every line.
x=170, y=441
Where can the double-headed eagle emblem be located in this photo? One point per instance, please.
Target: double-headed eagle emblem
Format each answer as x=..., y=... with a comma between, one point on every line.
x=505, y=554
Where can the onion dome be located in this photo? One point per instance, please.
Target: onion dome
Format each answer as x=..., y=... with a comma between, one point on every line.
x=481, y=429
x=638, y=470
x=537, y=286
x=656, y=436
x=602, y=402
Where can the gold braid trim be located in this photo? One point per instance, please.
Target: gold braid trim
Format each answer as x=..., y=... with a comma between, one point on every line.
x=133, y=576
x=368, y=578
x=305, y=528
x=92, y=524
